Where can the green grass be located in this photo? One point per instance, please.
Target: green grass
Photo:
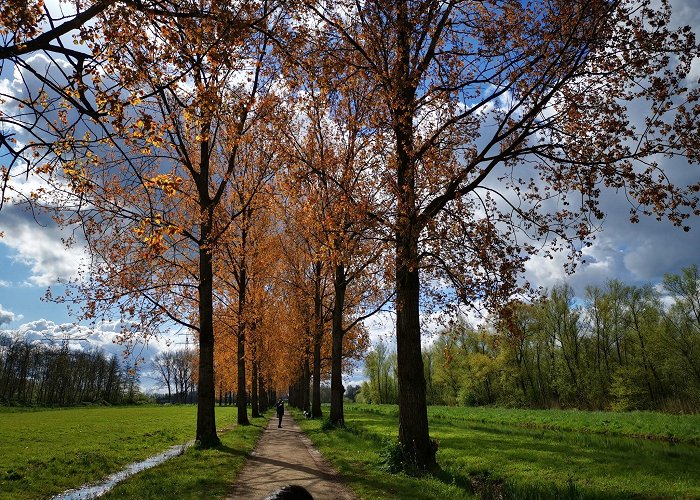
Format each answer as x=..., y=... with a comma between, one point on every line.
x=43, y=453
x=643, y=424
x=520, y=454
x=355, y=453
x=482, y=452
x=197, y=473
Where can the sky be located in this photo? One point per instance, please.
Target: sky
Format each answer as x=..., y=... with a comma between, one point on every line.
x=32, y=258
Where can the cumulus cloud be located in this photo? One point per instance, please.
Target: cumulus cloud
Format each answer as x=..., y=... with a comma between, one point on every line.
x=39, y=246
x=632, y=253
x=7, y=316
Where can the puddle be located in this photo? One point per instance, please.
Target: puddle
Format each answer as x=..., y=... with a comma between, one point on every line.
x=96, y=490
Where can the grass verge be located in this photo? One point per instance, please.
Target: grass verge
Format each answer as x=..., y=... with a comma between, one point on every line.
x=486, y=458
x=43, y=453
x=357, y=452
x=196, y=474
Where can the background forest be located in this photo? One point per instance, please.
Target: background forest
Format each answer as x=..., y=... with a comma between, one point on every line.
x=621, y=348
x=32, y=373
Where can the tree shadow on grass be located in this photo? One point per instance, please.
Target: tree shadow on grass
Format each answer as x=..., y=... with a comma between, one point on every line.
x=231, y=451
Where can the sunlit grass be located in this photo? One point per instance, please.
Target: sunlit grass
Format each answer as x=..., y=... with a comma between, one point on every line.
x=649, y=425
x=355, y=450
x=197, y=473
x=522, y=459
x=43, y=453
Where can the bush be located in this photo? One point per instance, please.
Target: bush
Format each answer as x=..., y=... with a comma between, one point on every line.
x=392, y=457
x=327, y=425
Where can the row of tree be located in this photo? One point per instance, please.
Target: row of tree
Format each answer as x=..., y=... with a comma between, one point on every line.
x=268, y=173
x=176, y=371
x=38, y=374
x=622, y=347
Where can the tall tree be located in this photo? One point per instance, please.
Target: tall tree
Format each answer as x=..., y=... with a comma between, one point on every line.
x=148, y=187
x=483, y=104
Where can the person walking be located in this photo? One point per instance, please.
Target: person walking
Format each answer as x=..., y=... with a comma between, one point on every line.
x=280, y=411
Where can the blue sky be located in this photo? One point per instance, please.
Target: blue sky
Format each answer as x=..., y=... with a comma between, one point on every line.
x=32, y=257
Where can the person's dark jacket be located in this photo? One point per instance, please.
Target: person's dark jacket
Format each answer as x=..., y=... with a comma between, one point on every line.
x=280, y=409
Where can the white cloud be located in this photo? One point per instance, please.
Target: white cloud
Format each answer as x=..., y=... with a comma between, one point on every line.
x=7, y=316
x=38, y=245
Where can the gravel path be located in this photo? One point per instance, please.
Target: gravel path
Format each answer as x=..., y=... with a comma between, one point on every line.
x=286, y=456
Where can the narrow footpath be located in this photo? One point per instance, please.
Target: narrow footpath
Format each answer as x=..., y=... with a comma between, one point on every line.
x=286, y=456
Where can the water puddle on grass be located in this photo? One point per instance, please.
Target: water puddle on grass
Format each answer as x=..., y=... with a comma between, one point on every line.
x=96, y=490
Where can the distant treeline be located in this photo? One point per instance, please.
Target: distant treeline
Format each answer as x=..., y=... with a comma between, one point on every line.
x=37, y=374
x=621, y=348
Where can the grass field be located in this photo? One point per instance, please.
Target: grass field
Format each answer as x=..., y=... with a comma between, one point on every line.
x=197, y=474
x=43, y=453
x=489, y=453
x=642, y=424
x=522, y=454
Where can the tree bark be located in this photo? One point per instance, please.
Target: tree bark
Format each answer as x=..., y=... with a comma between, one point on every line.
x=254, y=400
x=241, y=399
x=318, y=338
x=263, y=403
x=413, y=412
x=337, y=390
x=305, y=379
x=206, y=420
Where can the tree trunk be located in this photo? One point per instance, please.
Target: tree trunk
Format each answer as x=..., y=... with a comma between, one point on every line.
x=337, y=389
x=305, y=379
x=263, y=403
x=292, y=394
x=318, y=338
x=206, y=419
x=254, y=401
x=241, y=400
x=316, y=379
x=413, y=413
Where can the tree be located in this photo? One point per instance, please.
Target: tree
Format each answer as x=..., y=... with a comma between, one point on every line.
x=331, y=162
x=488, y=116
x=38, y=374
x=149, y=187
x=59, y=80
x=164, y=367
x=683, y=319
x=246, y=255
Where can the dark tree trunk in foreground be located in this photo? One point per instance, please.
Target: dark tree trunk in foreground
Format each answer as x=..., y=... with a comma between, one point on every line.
x=413, y=412
x=337, y=390
x=206, y=395
x=241, y=400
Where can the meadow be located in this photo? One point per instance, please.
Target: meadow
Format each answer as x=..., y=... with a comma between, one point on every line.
x=45, y=452
x=502, y=453
x=483, y=452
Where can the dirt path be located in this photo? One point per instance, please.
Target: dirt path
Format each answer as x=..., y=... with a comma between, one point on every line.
x=286, y=456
